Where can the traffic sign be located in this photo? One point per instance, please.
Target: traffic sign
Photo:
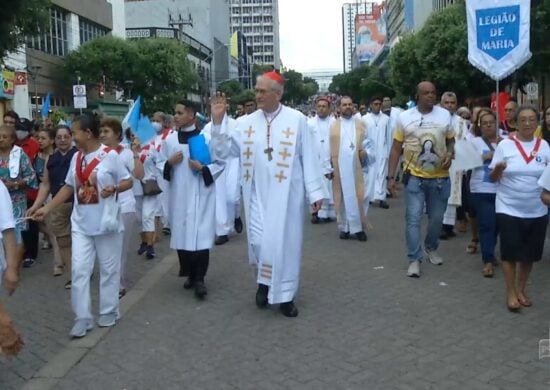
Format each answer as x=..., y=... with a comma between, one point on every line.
x=79, y=96
x=532, y=90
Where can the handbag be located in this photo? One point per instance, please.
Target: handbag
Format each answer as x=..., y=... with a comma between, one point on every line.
x=110, y=218
x=150, y=187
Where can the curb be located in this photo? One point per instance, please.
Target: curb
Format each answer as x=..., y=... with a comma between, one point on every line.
x=53, y=371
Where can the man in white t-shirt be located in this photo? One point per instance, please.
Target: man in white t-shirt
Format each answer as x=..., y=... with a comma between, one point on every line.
x=426, y=136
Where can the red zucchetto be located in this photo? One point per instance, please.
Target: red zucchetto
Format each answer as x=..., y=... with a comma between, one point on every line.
x=275, y=77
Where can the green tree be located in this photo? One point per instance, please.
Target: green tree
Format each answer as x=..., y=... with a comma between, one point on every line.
x=148, y=63
x=257, y=70
x=20, y=19
x=232, y=90
x=362, y=83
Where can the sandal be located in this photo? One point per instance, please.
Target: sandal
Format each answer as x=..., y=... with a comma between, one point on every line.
x=488, y=270
x=472, y=246
x=524, y=300
x=121, y=293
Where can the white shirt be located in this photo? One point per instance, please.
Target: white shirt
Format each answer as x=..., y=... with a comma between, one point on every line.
x=126, y=199
x=6, y=222
x=86, y=218
x=518, y=193
x=479, y=182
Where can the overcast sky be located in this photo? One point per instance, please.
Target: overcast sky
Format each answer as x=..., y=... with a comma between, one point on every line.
x=311, y=34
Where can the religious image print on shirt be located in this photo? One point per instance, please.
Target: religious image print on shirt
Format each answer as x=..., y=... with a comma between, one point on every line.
x=87, y=192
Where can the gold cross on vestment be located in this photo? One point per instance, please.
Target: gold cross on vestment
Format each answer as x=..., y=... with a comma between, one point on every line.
x=247, y=175
x=249, y=132
x=284, y=154
x=288, y=132
x=268, y=151
x=248, y=153
x=281, y=176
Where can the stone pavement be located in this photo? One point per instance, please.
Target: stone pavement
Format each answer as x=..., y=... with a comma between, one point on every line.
x=362, y=325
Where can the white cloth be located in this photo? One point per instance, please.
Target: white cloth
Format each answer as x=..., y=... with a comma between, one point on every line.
x=228, y=189
x=164, y=196
x=320, y=132
x=518, y=191
x=6, y=222
x=86, y=219
x=380, y=132
x=351, y=218
x=85, y=248
x=274, y=192
x=126, y=199
x=192, y=203
x=14, y=162
x=479, y=181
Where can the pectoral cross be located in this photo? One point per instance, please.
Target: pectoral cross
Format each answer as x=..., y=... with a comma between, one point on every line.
x=268, y=151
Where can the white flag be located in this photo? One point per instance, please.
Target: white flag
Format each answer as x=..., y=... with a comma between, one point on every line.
x=498, y=35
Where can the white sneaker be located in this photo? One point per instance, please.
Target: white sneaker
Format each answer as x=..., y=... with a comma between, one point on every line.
x=414, y=269
x=433, y=257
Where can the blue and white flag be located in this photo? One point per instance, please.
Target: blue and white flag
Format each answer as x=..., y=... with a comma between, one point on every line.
x=45, y=107
x=132, y=117
x=498, y=35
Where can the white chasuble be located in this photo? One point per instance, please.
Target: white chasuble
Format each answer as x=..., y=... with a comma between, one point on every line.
x=278, y=168
x=228, y=188
x=347, y=137
x=381, y=135
x=192, y=203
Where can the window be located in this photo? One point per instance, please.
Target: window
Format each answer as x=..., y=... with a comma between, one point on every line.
x=268, y=19
x=54, y=39
x=90, y=30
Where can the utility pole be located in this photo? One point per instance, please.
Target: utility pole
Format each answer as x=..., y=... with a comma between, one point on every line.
x=33, y=72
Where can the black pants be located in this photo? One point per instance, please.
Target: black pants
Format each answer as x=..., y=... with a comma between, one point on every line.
x=30, y=238
x=194, y=264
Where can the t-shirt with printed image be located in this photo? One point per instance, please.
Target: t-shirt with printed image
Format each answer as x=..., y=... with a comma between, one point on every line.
x=424, y=138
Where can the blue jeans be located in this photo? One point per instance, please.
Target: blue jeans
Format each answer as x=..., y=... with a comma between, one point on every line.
x=484, y=204
x=434, y=193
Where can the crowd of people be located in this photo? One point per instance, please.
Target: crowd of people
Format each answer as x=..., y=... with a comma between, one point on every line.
x=94, y=189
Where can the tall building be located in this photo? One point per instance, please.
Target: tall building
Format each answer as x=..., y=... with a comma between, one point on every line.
x=258, y=20
x=349, y=10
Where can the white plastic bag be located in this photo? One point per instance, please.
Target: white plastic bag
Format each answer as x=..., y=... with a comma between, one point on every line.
x=466, y=157
x=110, y=219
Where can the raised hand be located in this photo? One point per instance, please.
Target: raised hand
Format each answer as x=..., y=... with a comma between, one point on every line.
x=218, y=106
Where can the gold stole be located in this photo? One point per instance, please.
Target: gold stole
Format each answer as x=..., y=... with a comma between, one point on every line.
x=334, y=136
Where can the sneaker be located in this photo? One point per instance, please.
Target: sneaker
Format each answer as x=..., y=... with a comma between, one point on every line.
x=414, y=269
x=28, y=263
x=166, y=231
x=150, y=253
x=142, y=248
x=433, y=257
x=80, y=328
x=106, y=320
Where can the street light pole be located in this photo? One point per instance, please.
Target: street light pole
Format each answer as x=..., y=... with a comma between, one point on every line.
x=33, y=70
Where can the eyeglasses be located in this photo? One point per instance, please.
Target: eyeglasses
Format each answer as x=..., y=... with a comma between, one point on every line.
x=488, y=124
x=62, y=137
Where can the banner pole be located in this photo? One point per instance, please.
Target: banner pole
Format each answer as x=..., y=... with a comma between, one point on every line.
x=498, y=111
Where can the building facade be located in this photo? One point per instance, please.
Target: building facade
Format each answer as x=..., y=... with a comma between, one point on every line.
x=202, y=24
x=258, y=20
x=349, y=11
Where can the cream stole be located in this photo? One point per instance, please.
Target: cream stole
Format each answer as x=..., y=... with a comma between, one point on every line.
x=334, y=137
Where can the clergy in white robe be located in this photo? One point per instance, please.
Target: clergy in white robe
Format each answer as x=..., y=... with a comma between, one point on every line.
x=380, y=133
x=351, y=156
x=192, y=198
x=279, y=168
x=228, y=192
x=161, y=123
x=319, y=126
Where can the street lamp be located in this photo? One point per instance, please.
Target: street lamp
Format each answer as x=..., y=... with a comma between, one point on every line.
x=129, y=84
x=33, y=72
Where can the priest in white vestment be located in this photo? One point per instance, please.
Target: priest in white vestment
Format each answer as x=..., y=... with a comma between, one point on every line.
x=352, y=155
x=228, y=190
x=192, y=198
x=279, y=168
x=379, y=131
x=319, y=126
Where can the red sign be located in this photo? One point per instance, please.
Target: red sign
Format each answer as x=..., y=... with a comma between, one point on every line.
x=20, y=78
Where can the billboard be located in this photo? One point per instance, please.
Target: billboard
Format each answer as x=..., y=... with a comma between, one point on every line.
x=7, y=79
x=370, y=34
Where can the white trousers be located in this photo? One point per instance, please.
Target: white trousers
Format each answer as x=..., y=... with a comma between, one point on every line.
x=107, y=248
x=449, y=218
x=380, y=182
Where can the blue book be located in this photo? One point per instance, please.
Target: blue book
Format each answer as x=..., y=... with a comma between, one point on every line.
x=198, y=149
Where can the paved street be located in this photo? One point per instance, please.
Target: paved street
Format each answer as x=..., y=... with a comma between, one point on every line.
x=362, y=325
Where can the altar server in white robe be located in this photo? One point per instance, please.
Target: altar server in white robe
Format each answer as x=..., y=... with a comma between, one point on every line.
x=378, y=125
x=227, y=193
x=278, y=169
x=95, y=177
x=319, y=126
x=162, y=124
x=192, y=198
x=352, y=156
